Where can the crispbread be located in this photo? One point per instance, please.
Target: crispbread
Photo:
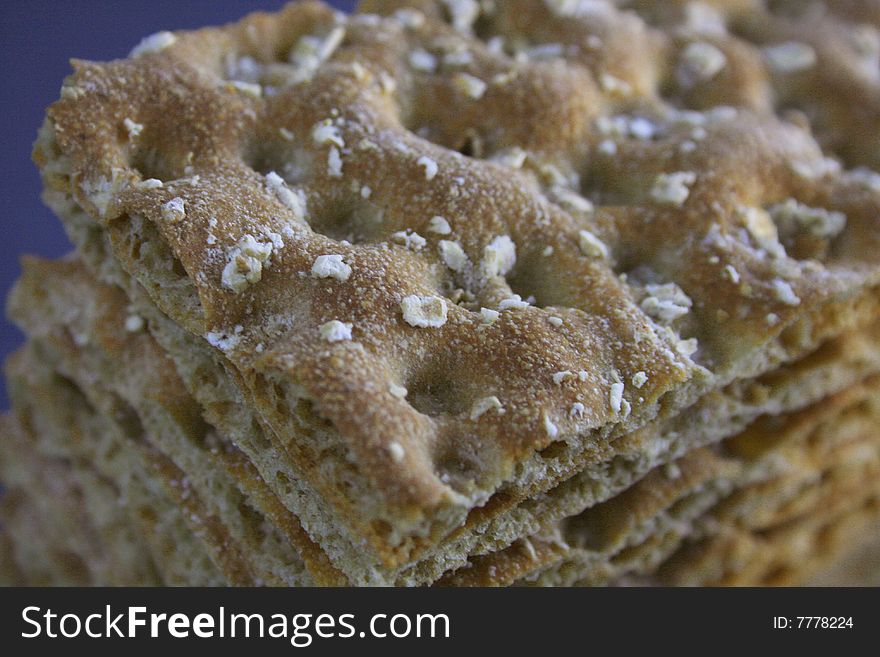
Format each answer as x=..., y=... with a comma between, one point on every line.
x=143, y=541
x=245, y=546
x=83, y=330
x=55, y=540
x=89, y=336
x=793, y=506
x=334, y=256
x=747, y=551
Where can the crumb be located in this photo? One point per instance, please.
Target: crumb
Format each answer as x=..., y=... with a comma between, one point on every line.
x=439, y=225
x=424, y=311
x=453, y=256
x=422, y=60
x=134, y=129
x=397, y=452
x=544, y=51
x=607, y=147
x=334, y=163
x=410, y=18
x=153, y=44
x=513, y=157
x=409, y=239
x=331, y=266
x=481, y=406
x=488, y=315
x=134, y=323
x=782, y=291
x=294, y=201
x=514, y=302
x=615, y=397
x=397, y=391
x=245, y=264
x=790, y=57
x=499, y=256
x=791, y=217
x=312, y=50
x=591, y=245
x=458, y=58
x=732, y=274
x=666, y=302
x=225, y=341
x=673, y=188
x=463, y=13
x=571, y=202
x=551, y=429
x=471, y=86
x=325, y=132
x=335, y=331
x=614, y=85
x=430, y=166
x=699, y=62
x=247, y=88
x=687, y=347
x=174, y=210
x=559, y=377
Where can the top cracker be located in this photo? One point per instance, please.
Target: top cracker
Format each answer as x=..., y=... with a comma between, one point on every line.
x=450, y=253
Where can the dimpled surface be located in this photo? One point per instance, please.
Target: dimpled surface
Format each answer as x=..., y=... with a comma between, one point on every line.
x=628, y=220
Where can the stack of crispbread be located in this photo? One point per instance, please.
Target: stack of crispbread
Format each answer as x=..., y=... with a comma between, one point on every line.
x=465, y=293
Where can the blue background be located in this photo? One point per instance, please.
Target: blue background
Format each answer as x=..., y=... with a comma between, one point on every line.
x=37, y=39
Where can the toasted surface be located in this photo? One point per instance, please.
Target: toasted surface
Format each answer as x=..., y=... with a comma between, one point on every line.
x=438, y=308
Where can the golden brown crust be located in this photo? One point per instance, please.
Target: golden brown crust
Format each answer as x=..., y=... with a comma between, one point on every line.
x=661, y=245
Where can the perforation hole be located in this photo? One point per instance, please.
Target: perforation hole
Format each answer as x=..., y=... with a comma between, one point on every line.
x=435, y=394
x=604, y=185
x=358, y=222
x=806, y=232
x=535, y=277
x=150, y=163
x=471, y=145
x=423, y=119
x=267, y=153
x=460, y=469
x=555, y=451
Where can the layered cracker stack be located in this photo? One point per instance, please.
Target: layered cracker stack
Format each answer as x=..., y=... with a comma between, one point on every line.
x=458, y=293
